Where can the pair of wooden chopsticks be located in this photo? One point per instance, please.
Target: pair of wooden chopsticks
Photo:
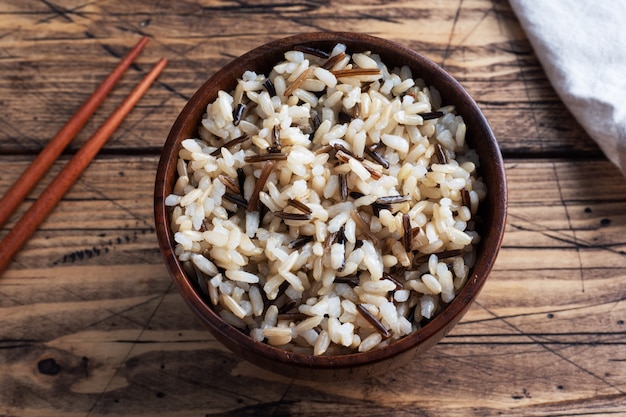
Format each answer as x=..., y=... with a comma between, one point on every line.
x=26, y=226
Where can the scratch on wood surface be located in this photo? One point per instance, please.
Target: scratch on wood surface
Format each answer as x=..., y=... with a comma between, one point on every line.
x=122, y=314
x=572, y=239
x=17, y=343
x=531, y=338
x=61, y=12
x=133, y=127
x=448, y=48
x=172, y=90
x=555, y=352
x=479, y=22
x=17, y=137
x=379, y=17
x=141, y=220
x=250, y=7
x=549, y=312
x=581, y=271
x=112, y=378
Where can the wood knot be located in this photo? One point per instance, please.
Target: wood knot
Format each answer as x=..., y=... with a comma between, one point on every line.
x=48, y=366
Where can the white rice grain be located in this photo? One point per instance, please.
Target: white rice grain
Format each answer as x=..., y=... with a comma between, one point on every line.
x=370, y=342
x=204, y=265
x=322, y=343
x=242, y=276
x=395, y=142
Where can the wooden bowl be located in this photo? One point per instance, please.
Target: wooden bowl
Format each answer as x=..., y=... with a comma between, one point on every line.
x=492, y=212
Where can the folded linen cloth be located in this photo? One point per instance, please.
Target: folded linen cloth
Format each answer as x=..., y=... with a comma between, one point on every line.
x=581, y=45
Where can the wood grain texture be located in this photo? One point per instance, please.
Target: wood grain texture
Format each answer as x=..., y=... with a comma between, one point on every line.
x=91, y=325
x=478, y=42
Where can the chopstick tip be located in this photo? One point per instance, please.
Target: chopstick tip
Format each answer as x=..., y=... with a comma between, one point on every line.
x=139, y=46
x=161, y=63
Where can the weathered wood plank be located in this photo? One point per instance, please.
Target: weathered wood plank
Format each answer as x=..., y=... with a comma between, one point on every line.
x=546, y=334
x=482, y=45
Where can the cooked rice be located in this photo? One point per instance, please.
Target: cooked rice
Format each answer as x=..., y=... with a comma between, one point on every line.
x=296, y=212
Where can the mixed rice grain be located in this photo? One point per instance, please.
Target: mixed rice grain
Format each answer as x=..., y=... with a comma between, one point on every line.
x=329, y=206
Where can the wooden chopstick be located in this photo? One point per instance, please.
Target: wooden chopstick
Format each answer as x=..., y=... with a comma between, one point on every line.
x=27, y=225
x=53, y=149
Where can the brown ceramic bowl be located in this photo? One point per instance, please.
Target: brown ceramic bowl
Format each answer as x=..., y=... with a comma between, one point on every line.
x=492, y=212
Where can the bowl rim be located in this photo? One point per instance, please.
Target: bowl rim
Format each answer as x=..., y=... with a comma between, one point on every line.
x=441, y=323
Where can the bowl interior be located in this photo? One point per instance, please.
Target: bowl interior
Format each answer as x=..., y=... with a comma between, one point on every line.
x=492, y=211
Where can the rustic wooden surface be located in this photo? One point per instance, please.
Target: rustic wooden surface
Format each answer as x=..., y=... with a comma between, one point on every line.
x=91, y=325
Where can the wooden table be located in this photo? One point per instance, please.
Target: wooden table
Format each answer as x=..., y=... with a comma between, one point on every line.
x=90, y=323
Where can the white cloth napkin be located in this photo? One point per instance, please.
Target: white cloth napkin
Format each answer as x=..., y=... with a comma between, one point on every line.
x=582, y=47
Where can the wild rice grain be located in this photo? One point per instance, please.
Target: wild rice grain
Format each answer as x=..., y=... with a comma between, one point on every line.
x=431, y=115
x=376, y=157
x=258, y=187
x=267, y=157
x=269, y=86
x=407, y=237
x=230, y=184
x=398, y=284
x=292, y=216
x=300, y=242
x=441, y=155
x=371, y=319
x=333, y=60
x=465, y=198
x=356, y=72
x=393, y=199
x=298, y=81
x=236, y=199
x=312, y=51
x=230, y=144
x=299, y=205
x=238, y=113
